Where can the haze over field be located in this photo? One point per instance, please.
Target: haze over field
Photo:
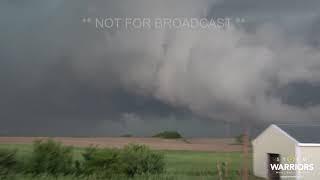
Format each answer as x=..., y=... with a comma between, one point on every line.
x=62, y=76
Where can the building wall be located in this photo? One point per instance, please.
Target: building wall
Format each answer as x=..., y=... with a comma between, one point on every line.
x=309, y=155
x=272, y=140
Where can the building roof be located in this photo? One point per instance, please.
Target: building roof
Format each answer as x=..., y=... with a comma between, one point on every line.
x=302, y=133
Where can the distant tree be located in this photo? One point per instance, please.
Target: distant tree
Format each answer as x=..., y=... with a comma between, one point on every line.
x=239, y=139
x=126, y=135
x=168, y=135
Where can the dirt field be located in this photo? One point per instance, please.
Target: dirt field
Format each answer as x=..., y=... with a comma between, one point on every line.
x=195, y=144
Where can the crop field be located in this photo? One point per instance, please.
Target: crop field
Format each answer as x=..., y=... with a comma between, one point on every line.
x=180, y=164
x=192, y=144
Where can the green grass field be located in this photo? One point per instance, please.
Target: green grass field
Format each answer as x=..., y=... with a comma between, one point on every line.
x=180, y=165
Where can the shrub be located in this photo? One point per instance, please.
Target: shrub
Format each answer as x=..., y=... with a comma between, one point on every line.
x=130, y=161
x=8, y=162
x=139, y=159
x=51, y=157
x=101, y=162
x=168, y=135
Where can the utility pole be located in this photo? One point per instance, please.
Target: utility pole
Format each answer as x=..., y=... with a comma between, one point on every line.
x=245, y=144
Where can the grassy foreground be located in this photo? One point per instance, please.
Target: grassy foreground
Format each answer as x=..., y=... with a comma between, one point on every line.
x=180, y=165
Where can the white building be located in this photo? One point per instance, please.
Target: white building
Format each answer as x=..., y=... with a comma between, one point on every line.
x=287, y=152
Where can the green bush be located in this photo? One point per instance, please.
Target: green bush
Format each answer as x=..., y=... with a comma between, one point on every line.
x=168, y=135
x=100, y=162
x=50, y=157
x=8, y=162
x=130, y=161
x=139, y=159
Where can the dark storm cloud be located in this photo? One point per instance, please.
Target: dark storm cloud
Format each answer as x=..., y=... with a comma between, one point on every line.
x=60, y=76
x=265, y=7
x=298, y=19
x=42, y=90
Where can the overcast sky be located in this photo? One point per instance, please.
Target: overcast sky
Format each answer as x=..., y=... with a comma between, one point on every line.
x=62, y=76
